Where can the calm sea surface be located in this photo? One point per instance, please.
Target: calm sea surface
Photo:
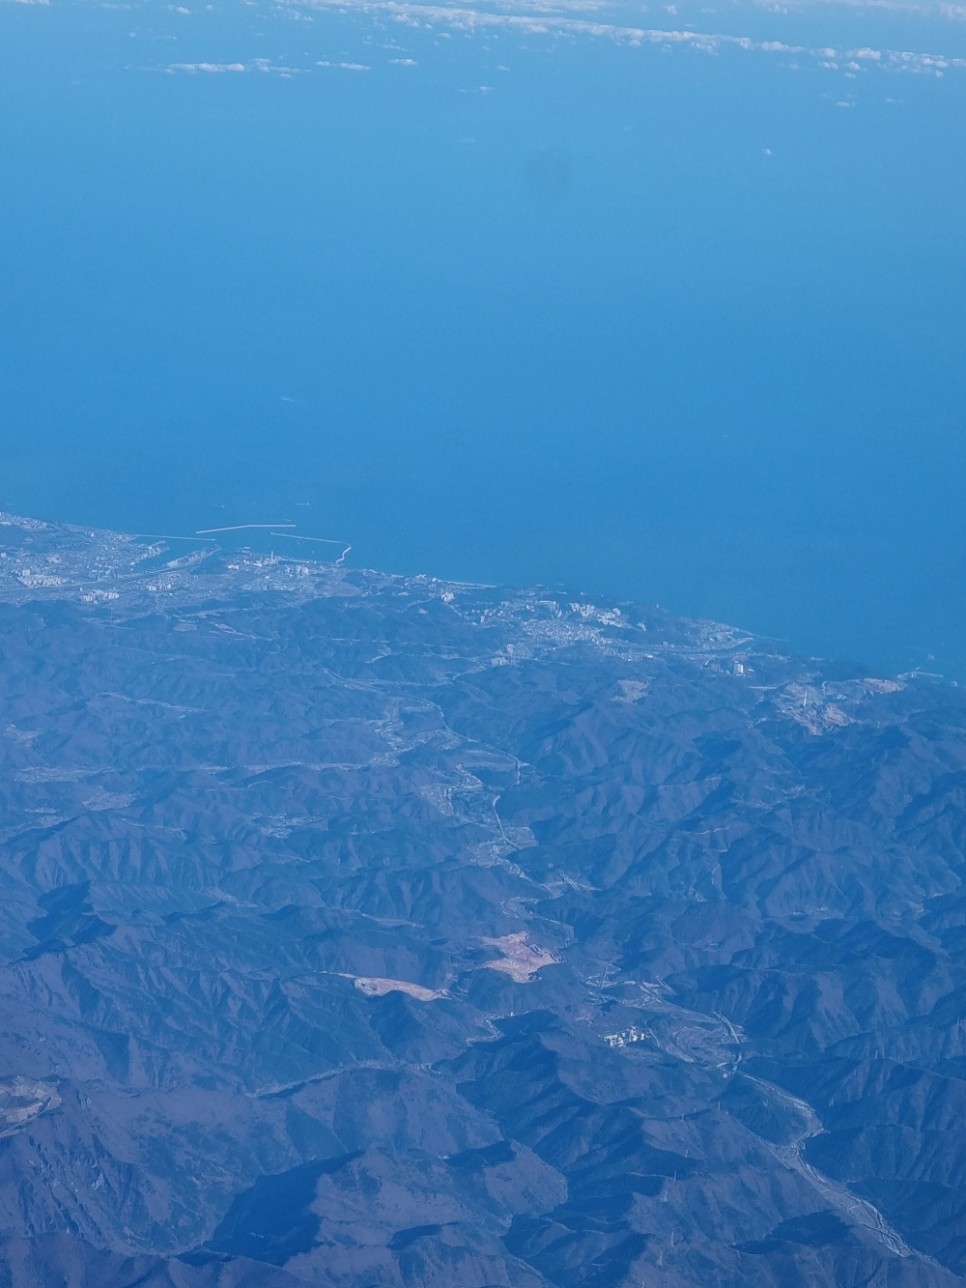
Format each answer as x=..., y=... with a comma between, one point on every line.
x=667, y=326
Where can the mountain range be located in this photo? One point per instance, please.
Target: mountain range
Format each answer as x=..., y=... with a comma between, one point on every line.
x=365, y=931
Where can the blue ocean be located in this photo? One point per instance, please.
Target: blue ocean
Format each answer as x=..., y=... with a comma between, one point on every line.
x=653, y=320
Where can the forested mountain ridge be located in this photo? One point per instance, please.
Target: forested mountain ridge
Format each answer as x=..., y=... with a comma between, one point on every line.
x=371, y=930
